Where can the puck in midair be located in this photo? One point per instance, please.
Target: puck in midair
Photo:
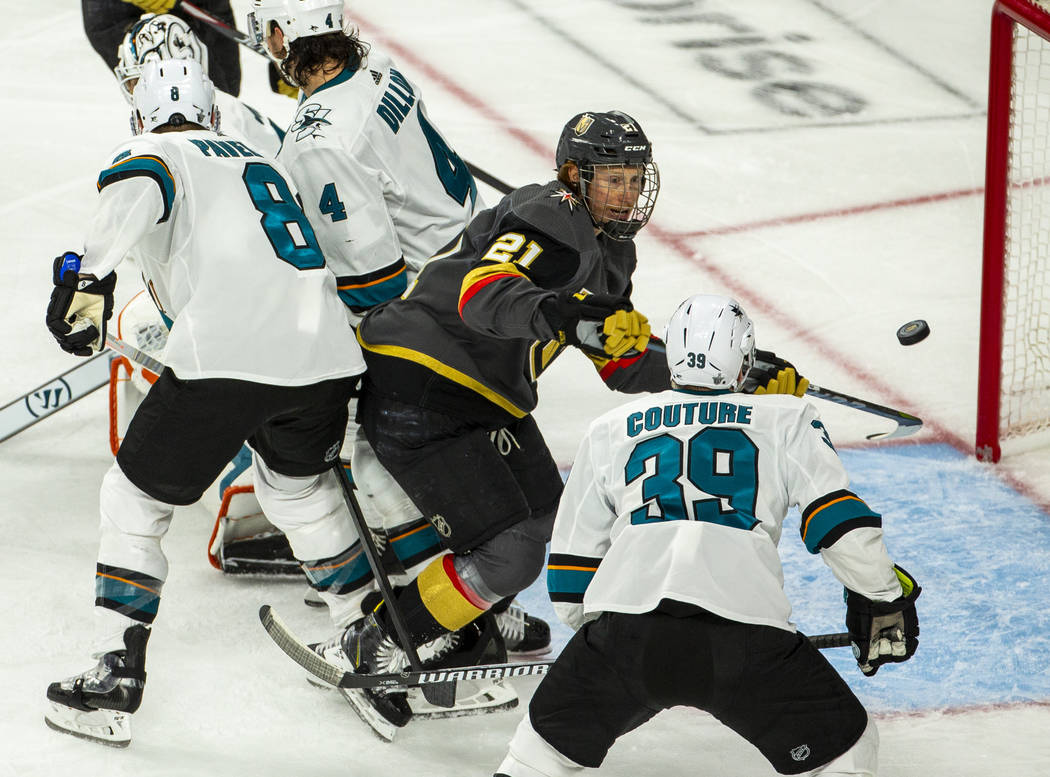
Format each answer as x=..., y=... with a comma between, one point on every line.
x=913, y=332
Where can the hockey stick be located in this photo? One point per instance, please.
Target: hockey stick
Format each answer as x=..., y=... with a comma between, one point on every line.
x=133, y=353
x=59, y=392
x=907, y=424
x=221, y=27
x=439, y=694
x=333, y=675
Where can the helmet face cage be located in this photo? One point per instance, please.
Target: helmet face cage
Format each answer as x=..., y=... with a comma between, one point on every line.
x=156, y=37
x=620, y=198
x=619, y=181
x=296, y=18
x=710, y=343
x=173, y=86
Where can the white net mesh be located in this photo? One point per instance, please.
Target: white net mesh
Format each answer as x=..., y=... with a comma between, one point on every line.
x=1025, y=389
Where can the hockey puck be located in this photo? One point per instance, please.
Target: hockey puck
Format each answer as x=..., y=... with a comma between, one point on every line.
x=913, y=332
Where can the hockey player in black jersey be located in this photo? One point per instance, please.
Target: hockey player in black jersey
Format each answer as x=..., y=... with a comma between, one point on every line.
x=453, y=365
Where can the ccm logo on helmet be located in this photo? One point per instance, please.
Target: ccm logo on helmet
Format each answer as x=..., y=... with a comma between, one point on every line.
x=635, y=148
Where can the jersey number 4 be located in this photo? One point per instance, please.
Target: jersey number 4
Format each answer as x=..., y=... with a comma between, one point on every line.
x=283, y=221
x=721, y=463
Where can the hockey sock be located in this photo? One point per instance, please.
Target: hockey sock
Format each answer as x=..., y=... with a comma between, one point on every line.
x=437, y=602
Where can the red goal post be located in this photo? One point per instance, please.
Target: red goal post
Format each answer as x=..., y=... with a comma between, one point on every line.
x=1013, y=386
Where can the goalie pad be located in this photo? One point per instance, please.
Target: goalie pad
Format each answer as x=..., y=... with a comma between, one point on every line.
x=242, y=540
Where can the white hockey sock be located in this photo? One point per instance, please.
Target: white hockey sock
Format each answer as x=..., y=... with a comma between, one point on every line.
x=861, y=760
x=529, y=755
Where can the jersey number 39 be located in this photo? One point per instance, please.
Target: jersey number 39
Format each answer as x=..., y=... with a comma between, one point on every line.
x=720, y=463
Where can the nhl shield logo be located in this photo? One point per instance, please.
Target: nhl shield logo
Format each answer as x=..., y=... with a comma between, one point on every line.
x=441, y=525
x=583, y=124
x=800, y=753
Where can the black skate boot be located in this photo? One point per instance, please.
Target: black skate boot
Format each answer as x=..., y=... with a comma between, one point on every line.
x=526, y=636
x=97, y=704
x=369, y=649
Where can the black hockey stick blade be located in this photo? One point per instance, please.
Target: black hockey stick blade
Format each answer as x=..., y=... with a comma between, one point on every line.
x=331, y=674
x=907, y=424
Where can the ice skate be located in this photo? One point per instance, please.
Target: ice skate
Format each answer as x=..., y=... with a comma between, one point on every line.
x=526, y=636
x=98, y=704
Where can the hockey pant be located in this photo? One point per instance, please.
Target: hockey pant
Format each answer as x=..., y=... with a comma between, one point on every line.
x=770, y=686
x=490, y=494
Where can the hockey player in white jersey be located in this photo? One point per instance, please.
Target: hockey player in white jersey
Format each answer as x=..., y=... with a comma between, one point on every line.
x=243, y=539
x=258, y=351
x=664, y=556
x=386, y=192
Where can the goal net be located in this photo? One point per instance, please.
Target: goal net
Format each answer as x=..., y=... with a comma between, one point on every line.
x=1013, y=393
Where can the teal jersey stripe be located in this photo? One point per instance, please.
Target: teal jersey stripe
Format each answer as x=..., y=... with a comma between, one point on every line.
x=363, y=297
x=571, y=583
x=148, y=166
x=832, y=520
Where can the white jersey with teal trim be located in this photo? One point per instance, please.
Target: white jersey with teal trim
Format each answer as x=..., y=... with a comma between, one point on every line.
x=682, y=495
x=227, y=255
x=239, y=120
x=381, y=185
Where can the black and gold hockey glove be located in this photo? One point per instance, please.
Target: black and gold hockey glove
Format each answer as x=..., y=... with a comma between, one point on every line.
x=772, y=375
x=572, y=316
x=80, y=306
x=883, y=632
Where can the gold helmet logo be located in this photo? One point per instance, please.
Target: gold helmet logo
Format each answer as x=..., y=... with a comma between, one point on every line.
x=583, y=124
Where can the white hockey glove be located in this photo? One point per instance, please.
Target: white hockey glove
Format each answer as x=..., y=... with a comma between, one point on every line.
x=80, y=306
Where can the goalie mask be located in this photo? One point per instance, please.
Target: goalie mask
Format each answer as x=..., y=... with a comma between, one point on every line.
x=619, y=181
x=710, y=343
x=155, y=37
x=296, y=18
x=173, y=91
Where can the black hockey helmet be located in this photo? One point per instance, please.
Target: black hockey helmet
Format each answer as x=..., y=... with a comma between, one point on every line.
x=605, y=139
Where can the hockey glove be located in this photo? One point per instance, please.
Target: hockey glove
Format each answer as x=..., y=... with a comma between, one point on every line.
x=571, y=316
x=80, y=306
x=883, y=632
x=279, y=85
x=623, y=332
x=153, y=6
x=772, y=375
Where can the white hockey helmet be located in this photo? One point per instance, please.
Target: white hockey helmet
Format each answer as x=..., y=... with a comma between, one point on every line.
x=173, y=87
x=296, y=18
x=710, y=343
x=155, y=37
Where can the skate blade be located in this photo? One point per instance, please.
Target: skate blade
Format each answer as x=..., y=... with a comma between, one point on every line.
x=528, y=655
x=380, y=726
x=473, y=698
x=106, y=727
